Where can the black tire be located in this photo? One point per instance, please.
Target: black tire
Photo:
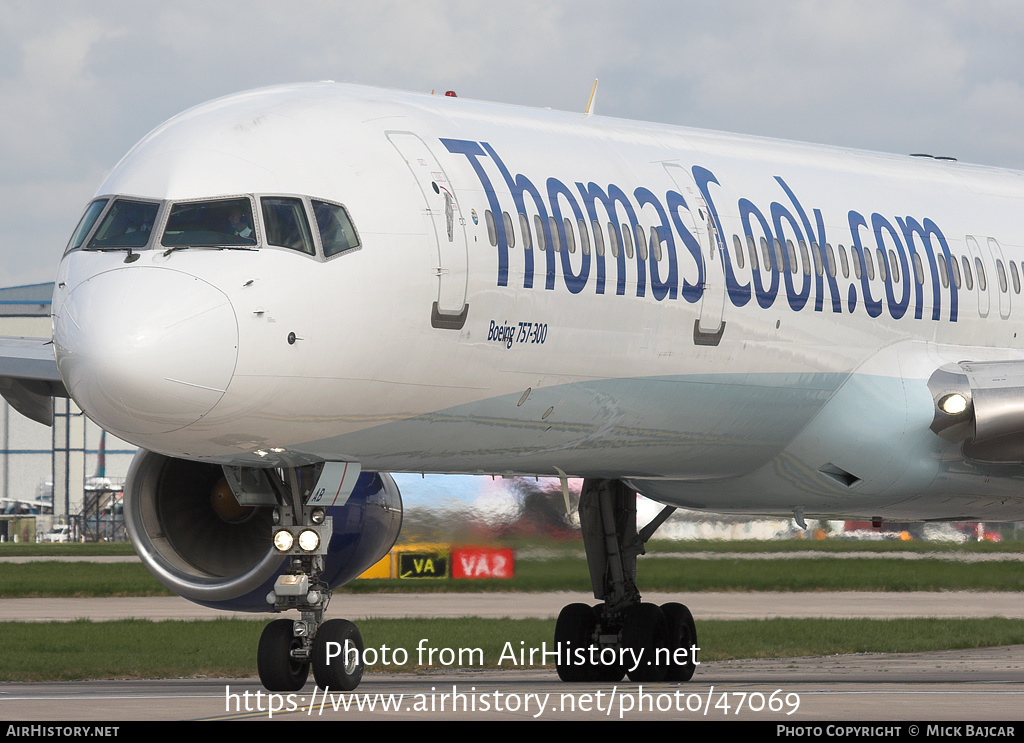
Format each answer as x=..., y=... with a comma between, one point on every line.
x=278, y=671
x=574, y=629
x=338, y=655
x=682, y=633
x=644, y=631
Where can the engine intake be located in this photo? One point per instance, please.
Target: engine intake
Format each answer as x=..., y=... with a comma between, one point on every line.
x=223, y=557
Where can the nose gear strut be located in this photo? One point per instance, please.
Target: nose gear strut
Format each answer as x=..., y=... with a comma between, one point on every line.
x=288, y=648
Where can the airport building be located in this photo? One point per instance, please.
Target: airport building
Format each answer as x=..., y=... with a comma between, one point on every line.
x=54, y=476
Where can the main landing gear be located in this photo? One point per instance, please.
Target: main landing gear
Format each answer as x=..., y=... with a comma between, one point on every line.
x=288, y=648
x=621, y=636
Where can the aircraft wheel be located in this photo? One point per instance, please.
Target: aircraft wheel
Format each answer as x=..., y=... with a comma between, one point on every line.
x=682, y=633
x=338, y=655
x=574, y=629
x=645, y=631
x=278, y=670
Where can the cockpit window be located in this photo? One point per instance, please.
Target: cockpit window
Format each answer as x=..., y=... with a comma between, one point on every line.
x=286, y=225
x=336, y=231
x=92, y=213
x=221, y=223
x=128, y=224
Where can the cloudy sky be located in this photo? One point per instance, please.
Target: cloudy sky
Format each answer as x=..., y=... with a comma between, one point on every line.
x=81, y=82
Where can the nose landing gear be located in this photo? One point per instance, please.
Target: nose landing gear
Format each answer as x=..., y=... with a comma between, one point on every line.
x=288, y=648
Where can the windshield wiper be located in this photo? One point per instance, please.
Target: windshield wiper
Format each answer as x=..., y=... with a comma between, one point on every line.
x=209, y=247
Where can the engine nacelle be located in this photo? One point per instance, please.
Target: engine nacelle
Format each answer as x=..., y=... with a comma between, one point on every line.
x=226, y=560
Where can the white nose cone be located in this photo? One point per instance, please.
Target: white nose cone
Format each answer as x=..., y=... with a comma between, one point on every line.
x=146, y=350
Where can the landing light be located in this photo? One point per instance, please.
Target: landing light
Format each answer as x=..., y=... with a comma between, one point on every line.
x=283, y=540
x=303, y=540
x=953, y=404
x=309, y=540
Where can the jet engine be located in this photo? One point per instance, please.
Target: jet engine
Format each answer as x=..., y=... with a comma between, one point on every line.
x=197, y=540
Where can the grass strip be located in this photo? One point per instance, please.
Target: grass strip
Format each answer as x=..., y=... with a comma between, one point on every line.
x=758, y=546
x=727, y=574
x=65, y=549
x=49, y=651
x=84, y=579
x=77, y=580
x=830, y=545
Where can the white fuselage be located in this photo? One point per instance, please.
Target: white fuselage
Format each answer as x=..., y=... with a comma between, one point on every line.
x=447, y=343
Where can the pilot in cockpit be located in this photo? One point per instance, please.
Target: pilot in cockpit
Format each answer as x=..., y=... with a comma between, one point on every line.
x=239, y=223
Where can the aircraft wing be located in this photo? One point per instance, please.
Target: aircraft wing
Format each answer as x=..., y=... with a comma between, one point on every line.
x=29, y=378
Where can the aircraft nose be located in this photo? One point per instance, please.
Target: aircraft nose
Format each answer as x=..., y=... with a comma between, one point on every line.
x=146, y=350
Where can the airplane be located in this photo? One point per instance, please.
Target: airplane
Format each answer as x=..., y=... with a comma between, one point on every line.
x=283, y=295
x=27, y=505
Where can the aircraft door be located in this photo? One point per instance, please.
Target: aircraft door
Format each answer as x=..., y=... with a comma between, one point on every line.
x=1001, y=278
x=442, y=207
x=981, y=276
x=710, y=322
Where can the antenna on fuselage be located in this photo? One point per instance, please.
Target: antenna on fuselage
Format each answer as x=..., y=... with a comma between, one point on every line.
x=590, y=103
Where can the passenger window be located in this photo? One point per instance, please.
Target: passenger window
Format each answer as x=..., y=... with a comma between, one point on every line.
x=336, y=231
x=919, y=269
x=524, y=225
x=830, y=263
x=1015, y=276
x=510, y=234
x=584, y=237
x=538, y=224
x=286, y=225
x=1001, y=271
x=779, y=263
x=492, y=231
x=128, y=224
x=752, y=253
x=792, y=256
x=598, y=238
x=738, y=249
x=570, y=236
x=613, y=240
x=845, y=263
x=556, y=240
x=641, y=242
x=882, y=268
x=982, y=283
x=968, y=279
x=816, y=255
x=869, y=263
x=627, y=241
x=894, y=266
x=955, y=271
x=943, y=277
x=766, y=255
x=210, y=224
x=805, y=260
x=656, y=244
x=858, y=262
x=85, y=224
